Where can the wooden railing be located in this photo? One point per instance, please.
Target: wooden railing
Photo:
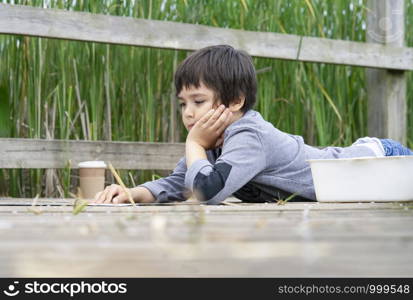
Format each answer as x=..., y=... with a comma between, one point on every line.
x=385, y=52
x=38, y=153
x=53, y=23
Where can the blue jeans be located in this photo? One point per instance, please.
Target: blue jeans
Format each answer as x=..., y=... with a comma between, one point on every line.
x=393, y=148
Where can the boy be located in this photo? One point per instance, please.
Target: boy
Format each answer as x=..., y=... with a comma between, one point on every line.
x=232, y=149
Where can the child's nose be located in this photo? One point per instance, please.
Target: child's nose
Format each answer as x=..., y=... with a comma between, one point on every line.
x=188, y=112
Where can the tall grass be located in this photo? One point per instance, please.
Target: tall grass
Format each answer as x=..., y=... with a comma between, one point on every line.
x=77, y=90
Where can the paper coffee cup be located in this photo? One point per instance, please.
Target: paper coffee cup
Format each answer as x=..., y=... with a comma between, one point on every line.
x=91, y=177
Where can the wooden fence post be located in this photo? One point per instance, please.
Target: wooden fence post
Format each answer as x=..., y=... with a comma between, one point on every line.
x=386, y=89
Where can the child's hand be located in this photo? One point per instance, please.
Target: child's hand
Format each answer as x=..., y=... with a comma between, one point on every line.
x=219, y=141
x=112, y=194
x=208, y=131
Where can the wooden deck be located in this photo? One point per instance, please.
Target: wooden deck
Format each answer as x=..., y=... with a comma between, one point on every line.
x=190, y=240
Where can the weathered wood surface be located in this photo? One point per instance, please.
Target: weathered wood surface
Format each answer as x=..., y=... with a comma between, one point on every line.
x=386, y=89
x=247, y=240
x=52, y=23
x=39, y=153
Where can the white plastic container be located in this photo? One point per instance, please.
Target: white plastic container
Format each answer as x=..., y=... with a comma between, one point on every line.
x=367, y=179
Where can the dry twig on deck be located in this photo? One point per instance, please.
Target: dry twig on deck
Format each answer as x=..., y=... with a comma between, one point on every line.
x=33, y=208
x=284, y=201
x=119, y=180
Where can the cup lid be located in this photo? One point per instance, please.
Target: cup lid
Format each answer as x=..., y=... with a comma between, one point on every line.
x=92, y=164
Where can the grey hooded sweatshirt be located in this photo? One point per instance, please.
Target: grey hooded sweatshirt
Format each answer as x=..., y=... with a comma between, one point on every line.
x=257, y=163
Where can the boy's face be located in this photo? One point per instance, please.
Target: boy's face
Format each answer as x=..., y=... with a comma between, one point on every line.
x=195, y=103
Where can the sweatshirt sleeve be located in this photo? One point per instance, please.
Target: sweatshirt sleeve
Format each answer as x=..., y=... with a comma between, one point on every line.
x=170, y=188
x=241, y=160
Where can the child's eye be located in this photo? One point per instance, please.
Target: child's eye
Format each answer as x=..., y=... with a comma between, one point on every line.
x=182, y=104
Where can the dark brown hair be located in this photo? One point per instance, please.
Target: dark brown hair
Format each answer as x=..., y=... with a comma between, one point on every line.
x=230, y=73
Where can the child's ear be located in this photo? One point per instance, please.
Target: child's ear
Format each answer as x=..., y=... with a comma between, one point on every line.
x=237, y=104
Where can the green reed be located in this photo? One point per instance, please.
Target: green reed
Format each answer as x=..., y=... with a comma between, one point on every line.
x=89, y=91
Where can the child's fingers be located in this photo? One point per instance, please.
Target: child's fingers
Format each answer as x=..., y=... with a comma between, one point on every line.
x=222, y=122
x=206, y=117
x=209, y=119
x=113, y=191
x=215, y=116
x=100, y=197
x=107, y=194
x=122, y=198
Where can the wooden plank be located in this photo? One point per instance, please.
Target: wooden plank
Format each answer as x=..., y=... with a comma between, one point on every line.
x=295, y=239
x=118, y=233
x=353, y=53
x=386, y=89
x=216, y=226
x=182, y=228
x=235, y=206
x=39, y=153
x=52, y=23
x=276, y=258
